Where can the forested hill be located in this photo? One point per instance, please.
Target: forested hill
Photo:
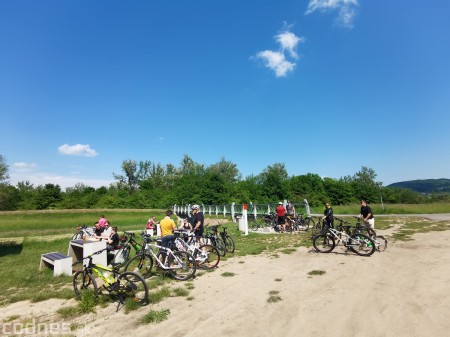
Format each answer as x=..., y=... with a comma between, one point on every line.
x=426, y=185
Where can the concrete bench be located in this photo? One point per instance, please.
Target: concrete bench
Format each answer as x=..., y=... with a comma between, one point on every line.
x=62, y=264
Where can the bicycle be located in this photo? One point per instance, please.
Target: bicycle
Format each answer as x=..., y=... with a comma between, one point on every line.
x=206, y=256
x=118, y=284
x=357, y=243
x=317, y=227
x=271, y=220
x=82, y=231
x=212, y=238
x=123, y=253
x=380, y=241
x=179, y=264
x=229, y=242
x=254, y=222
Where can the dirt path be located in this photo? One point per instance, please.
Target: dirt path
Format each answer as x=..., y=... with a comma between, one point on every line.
x=400, y=292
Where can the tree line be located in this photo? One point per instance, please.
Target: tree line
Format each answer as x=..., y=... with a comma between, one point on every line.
x=147, y=184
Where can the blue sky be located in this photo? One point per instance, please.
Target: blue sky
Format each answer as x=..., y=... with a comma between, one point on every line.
x=324, y=86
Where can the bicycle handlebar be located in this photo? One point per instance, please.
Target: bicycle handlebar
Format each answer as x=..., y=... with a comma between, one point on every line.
x=90, y=256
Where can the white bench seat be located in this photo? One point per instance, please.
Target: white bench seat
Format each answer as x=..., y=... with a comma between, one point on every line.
x=62, y=264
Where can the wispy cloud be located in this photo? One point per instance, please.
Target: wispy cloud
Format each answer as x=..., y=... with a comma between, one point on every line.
x=346, y=9
x=77, y=150
x=22, y=166
x=276, y=60
x=64, y=181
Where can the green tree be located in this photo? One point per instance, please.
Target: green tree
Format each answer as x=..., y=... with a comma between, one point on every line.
x=48, y=196
x=3, y=170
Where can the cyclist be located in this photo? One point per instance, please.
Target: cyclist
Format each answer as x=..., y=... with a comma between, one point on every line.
x=198, y=222
x=290, y=213
x=328, y=218
x=167, y=226
x=281, y=211
x=367, y=215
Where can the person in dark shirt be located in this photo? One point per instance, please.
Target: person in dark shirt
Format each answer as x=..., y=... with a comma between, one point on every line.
x=98, y=231
x=113, y=240
x=198, y=221
x=328, y=217
x=367, y=215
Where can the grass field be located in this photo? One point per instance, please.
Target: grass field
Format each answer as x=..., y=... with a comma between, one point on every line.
x=22, y=245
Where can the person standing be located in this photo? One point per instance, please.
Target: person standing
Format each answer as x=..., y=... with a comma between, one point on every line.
x=281, y=214
x=151, y=225
x=167, y=226
x=290, y=209
x=367, y=215
x=328, y=217
x=102, y=221
x=198, y=221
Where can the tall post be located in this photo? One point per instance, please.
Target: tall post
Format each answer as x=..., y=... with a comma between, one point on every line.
x=244, y=217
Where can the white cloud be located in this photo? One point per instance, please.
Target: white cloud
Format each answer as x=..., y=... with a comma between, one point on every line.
x=276, y=61
x=77, y=150
x=24, y=166
x=289, y=42
x=346, y=9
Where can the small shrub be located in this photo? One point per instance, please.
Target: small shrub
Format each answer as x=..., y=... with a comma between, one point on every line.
x=155, y=317
x=158, y=295
x=180, y=292
x=68, y=312
x=87, y=303
x=317, y=272
x=228, y=274
x=131, y=305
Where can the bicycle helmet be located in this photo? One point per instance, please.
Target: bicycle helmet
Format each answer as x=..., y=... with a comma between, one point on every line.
x=195, y=207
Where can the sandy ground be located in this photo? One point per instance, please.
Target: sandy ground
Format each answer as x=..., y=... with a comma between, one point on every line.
x=400, y=292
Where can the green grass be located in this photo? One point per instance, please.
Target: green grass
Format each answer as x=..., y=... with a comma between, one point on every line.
x=155, y=316
x=228, y=274
x=158, y=295
x=180, y=292
x=59, y=222
x=439, y=207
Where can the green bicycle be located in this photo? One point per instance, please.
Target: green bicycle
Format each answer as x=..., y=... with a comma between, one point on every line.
x=120, y=285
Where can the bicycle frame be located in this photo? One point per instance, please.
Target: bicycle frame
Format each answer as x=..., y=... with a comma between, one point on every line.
x=151, y=247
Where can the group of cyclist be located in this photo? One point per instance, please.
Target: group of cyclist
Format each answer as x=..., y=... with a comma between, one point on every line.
x=283, y=213
x=365, y=213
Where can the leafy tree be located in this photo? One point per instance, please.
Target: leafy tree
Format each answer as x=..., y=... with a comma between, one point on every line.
x=130, y=179
x=48, y=196
x=338, y=191
x=3, y=169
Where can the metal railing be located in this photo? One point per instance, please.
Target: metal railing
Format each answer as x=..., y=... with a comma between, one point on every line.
x=234, y=209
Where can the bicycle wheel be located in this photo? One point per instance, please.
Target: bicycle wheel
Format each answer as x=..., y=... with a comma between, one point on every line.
x=229, y=244
x=380, y=243
x=207, y=257
x=324, y=243
x=255, y=224
x=141, y=264
x=220, y=245
x=133, y=285
x=361, y=244
x=182, y=264
x=84, y=282
x=308, y=223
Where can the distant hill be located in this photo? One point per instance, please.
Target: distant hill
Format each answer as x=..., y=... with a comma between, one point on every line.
x=426, y=185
